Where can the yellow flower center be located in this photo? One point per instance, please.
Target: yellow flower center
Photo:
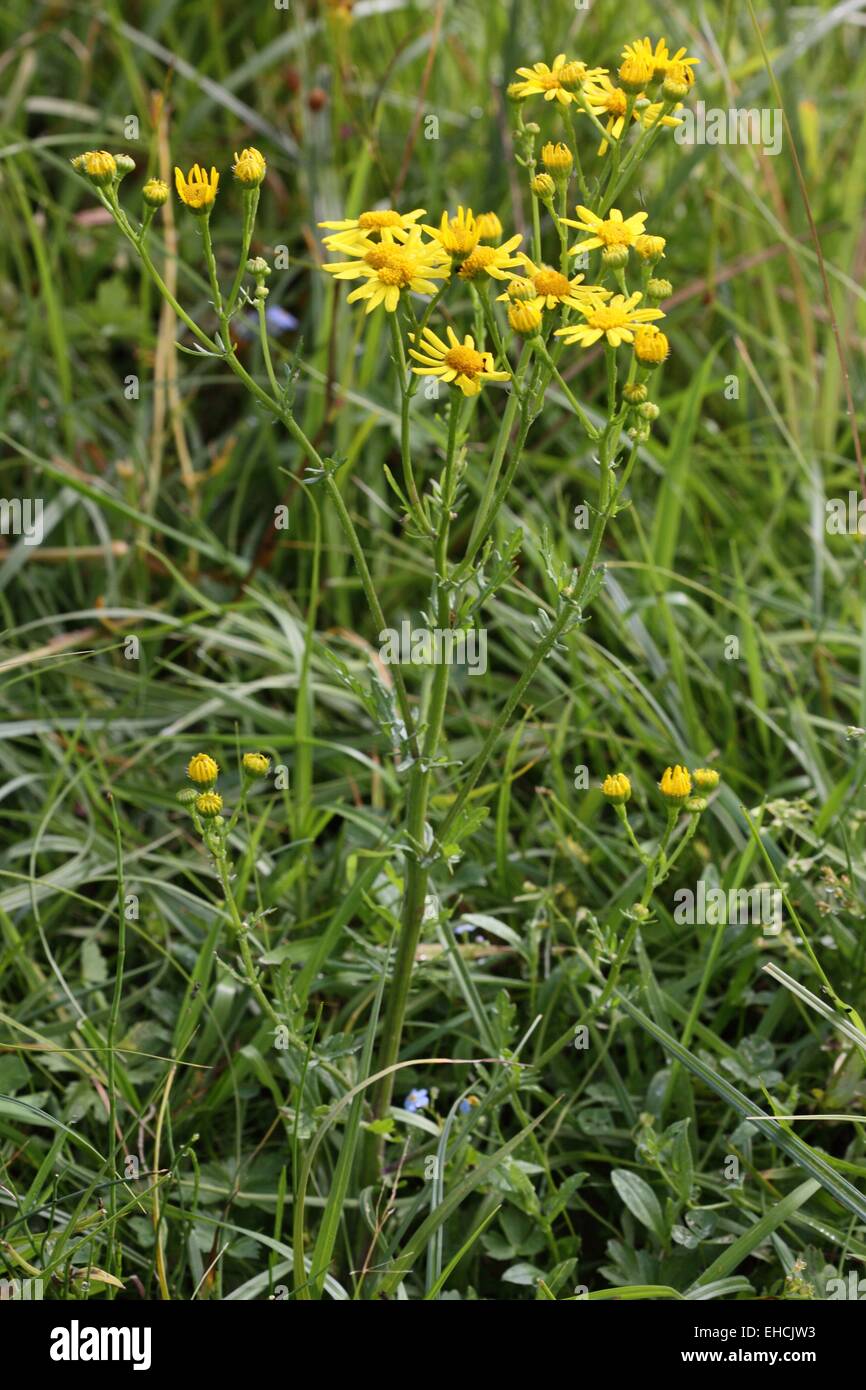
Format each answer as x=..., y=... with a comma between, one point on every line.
x=551, y=282
x=465, y=360
x=614, y=234
x=392, y=265
x=549, y=82
x=607, y=317
x=373, y=221
x=615, y=102
x=481, y=257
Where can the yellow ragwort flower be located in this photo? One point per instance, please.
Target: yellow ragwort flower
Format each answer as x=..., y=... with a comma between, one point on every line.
x=637, y=69
x=615, y=321
x=553, y=289
x=99, y=166
x=155, y=193
x=605, y=99
x=249, y=167
x=650, y=345
x=706, y=778
x=613, y=230
x=616, y=787
x=460, y=363
x=676, y=784
x=666, y=63
x=400, y=261
x=202, y=768
x=456, y=235
x=650, y=248
x=370, y=224
x=256, y=764
x=496, y=261
x=557, y=158
x=524, y=317
x=554, y=83
x=208, y=804
x=488, y=226
x=198, y=190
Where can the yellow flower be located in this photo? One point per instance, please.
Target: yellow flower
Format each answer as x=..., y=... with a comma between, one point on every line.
x=488, y=226
x=676, y=784
x=400, y=261
x=605, y=99
x=209, y=804
x=668, y=64
x=202, y=768
x=613, y=230
x=553, y=83
x=491, y=260
x=706, y=778
x=637, y=69
x=456, y=235
x=552, y=289
x=460, y=363
x=616, y=787
x=650, y=345
x=524, y=316
x=543, y=186
x=99, y=166
x=256, y=764
x=155, y=193
x=371, y=223
x=616, y=321
x=249, y=167
x=650, y=248
x=199, y=189
x=558, y=158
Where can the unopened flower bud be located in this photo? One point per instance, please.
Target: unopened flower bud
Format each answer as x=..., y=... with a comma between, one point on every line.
x=614, y=257
x=543, y=187
x=648, y=411
x=155, y=193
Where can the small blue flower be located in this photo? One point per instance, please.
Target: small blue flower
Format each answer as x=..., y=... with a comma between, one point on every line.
x=417, y=1099
x=468, y=1104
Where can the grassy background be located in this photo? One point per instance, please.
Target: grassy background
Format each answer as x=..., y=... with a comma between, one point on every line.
x=159, y=525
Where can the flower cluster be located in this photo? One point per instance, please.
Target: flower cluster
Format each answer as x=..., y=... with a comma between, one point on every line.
x=398, y=257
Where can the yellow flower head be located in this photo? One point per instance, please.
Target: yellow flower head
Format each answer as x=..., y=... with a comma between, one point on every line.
x=155, y=193
x=524, y=317
x=456, y=235
x=488, y=226
x=460, y=363
x=557, y=158
x=677, y=64
x=491, y=260
x=607, y=232
x=249, y=167
x=198, y=190
x=202, y=768
x=650, y=345
x=543, y=186
x=616, y=787
x=401, y=261
x=370, y=224
x=256, y=764
x=208, y=804
x=552, y=289
x=555, y=83
x=617, y=321
x=519, y=288
x=637, y=69
x=650, y=248
x=99, y=166
x=706, y=778
x=676, y=784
